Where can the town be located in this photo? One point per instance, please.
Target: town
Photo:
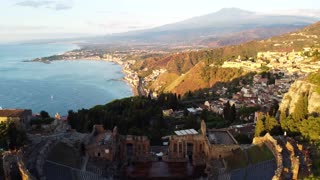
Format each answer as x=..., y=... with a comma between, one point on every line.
x=105, y=153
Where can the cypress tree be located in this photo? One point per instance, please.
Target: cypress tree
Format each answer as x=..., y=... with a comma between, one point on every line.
x=301, y=109
x=259, y=126
x=271, y=125
x=226, y=111
x=233, y=113
x=283, y=122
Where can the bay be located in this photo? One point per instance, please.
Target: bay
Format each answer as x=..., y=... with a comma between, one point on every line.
x=59, y=86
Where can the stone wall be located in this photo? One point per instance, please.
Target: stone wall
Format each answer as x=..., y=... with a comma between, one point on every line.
x=25, y=174
x=140, y=148
x=275, y=148
x=43, y=152
x=181, y=147
x=14, y=157
x=294, y=161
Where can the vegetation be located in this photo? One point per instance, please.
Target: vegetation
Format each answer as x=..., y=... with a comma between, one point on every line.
x=135, y=115
x=39, y=121
x=244, y=113
x=315, y=79
x=44, y=118
x=213, y=120
x=236, y=161
x=272, y=125
x=255, y=154
x=243, y=139
x=229, y=112
x=301, y=108
x=310, y=128
x=259, y=153
x=11, y=137
x=260, y=129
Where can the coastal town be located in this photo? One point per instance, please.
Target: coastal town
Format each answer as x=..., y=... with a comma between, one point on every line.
x=289, y=66
x=148, y=90
x=107, y=154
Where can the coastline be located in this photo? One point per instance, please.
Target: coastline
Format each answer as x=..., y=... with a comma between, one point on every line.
x=130, y=76
x=127, y=72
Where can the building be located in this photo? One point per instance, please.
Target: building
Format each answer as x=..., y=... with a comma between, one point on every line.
x=200, y=147
x=135, y=148
x=102, y=144
x=111, y=146
x=21, y=117
x=167, y=112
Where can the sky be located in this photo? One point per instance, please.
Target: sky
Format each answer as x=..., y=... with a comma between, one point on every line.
x=49, y=19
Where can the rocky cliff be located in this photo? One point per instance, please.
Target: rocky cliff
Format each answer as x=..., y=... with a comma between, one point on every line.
x=298, y=89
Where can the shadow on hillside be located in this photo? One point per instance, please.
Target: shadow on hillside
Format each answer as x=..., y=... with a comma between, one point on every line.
x=217, y=91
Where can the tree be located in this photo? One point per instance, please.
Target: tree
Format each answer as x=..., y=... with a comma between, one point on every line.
x=44, y=114
x=301, y=109
x=12, y=136
x=226, y=111
x=292, y=125
x=191, y=123
x=274, y=108
x=3, y=134
x=245, y=112
x=260, y=129
x=233, y=113
x=310, y=128
x=243, y=139
x=283, y=122
x=272, y=125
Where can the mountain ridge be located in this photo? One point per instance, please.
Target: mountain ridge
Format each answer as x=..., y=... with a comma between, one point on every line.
x=217, y=24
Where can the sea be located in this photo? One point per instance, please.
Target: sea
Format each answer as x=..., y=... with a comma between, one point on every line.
x=59, y=86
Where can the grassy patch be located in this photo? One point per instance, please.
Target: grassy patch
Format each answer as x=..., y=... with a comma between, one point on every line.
x=259, y=153
x=237, y=160
x=65, y=155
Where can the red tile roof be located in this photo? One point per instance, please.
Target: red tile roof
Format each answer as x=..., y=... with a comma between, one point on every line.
x=12, y=112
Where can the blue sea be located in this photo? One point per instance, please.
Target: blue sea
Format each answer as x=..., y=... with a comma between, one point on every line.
x=59, y=86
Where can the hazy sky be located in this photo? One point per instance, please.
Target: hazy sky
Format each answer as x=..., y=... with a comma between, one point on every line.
x=36, y=19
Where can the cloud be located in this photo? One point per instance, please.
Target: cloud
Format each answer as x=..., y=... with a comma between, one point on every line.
x=50, y=4
x=27, y=28
x=121, y=26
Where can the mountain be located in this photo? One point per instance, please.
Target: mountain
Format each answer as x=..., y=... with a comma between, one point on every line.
x=219, y=25
x=192, y=70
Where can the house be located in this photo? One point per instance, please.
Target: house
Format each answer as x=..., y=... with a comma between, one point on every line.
x=167, y=112
x=247, y=129
x=194, y=110
x=21, y=117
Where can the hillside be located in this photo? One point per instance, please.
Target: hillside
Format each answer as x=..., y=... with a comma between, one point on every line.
x=185, y=68
x=202, y=76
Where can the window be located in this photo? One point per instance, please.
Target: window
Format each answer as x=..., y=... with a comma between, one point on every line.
x=175, y=148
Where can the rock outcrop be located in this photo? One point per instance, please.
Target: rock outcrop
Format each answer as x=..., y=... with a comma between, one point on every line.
x=298, y=89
